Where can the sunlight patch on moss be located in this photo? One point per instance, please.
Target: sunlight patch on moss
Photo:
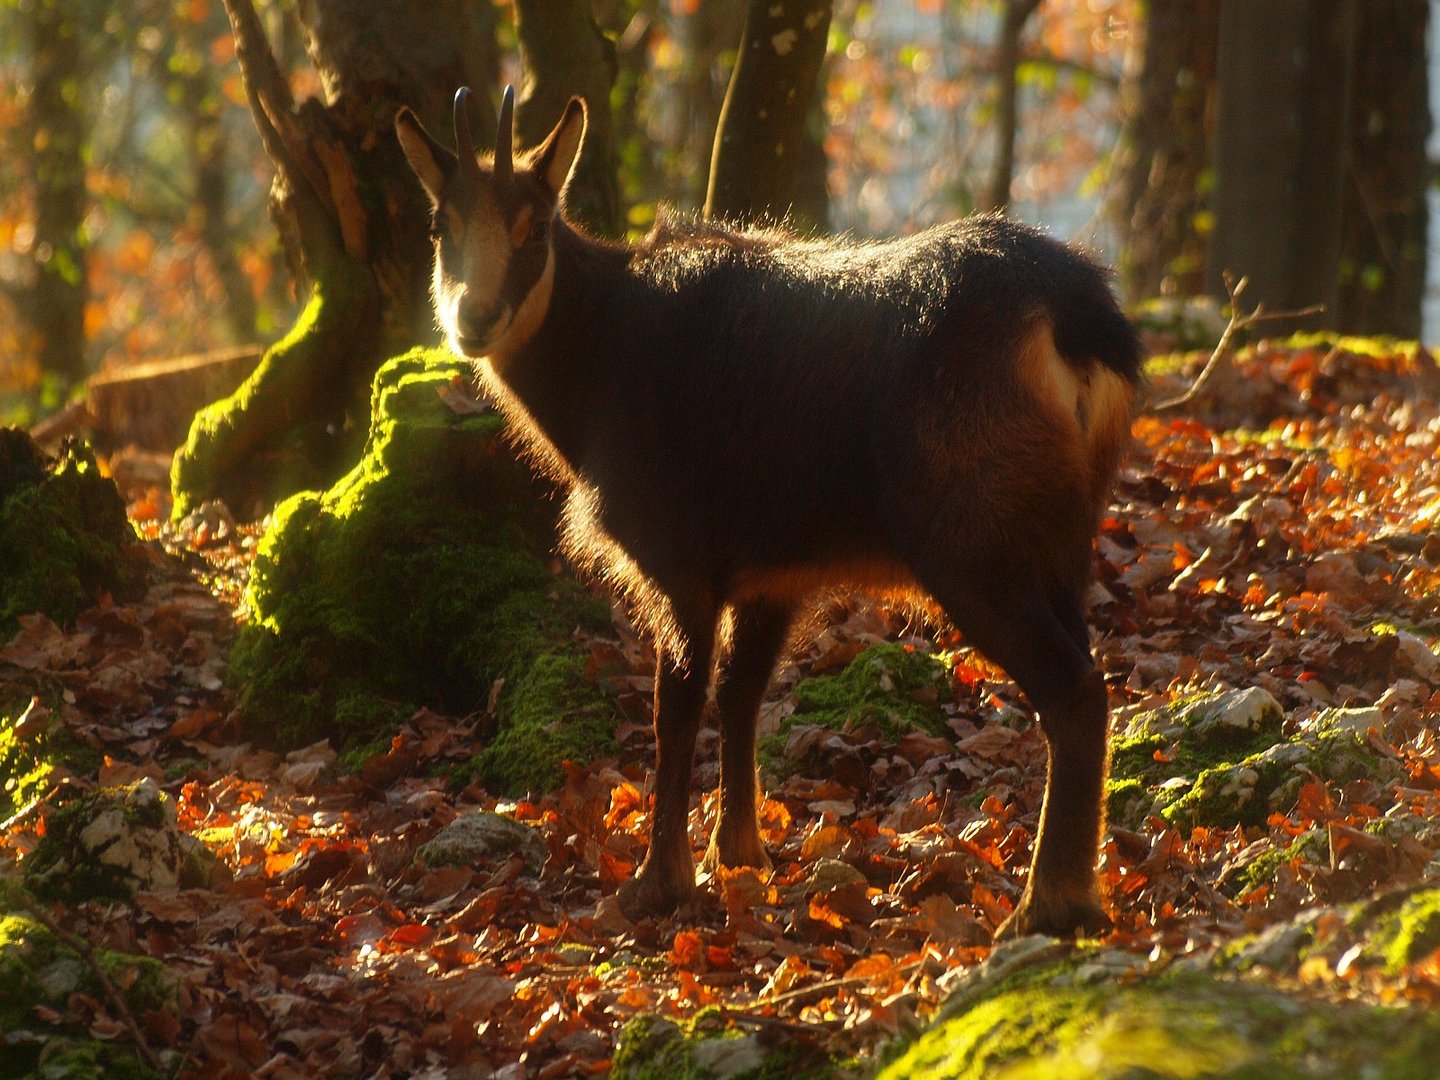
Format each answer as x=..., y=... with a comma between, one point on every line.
x=1055, y=1023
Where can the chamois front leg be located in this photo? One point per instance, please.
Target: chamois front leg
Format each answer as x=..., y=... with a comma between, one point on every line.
x=744, y=673
x=666, y=878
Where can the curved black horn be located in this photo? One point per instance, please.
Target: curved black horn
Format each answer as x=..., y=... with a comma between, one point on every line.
x=464, y=144
x=504, y=169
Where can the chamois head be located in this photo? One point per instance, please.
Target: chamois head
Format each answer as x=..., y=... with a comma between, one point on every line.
x=494, y=263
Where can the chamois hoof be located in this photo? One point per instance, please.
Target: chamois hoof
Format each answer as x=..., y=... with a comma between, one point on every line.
x=650, y=894
x=1059, y=917
x=749, y=851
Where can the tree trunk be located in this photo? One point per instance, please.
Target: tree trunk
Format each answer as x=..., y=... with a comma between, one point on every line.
x=1002, y=171
x=55, y=308
x=1281, y=149
x=1159, y=202
x=196, y=83
x=764, y=163
x=565, y=54
x=710, y=33
x=1382, y=267
x=353, y=222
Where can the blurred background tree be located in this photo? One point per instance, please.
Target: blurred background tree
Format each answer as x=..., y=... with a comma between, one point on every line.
x=1178, y=138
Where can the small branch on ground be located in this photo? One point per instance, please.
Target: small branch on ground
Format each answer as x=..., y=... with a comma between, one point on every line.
x=1239, y=320
x=113, y=995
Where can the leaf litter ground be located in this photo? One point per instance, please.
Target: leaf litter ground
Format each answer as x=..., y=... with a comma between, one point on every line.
x=1282, y=534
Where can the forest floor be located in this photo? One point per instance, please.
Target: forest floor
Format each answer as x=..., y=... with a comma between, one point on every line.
x=1283, y=533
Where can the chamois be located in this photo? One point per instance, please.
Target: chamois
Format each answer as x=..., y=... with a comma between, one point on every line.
x=741, y=417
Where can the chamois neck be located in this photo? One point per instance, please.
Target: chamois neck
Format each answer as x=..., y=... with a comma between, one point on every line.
x=557, y=376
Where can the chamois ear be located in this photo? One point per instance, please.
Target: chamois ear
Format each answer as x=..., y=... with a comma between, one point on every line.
x=432, y=163
x=555, y=158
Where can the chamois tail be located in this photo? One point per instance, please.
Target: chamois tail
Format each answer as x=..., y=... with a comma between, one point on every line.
x=1090, y=327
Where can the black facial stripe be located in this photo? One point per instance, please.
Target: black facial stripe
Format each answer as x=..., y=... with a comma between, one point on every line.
x=526, y=266
x=452, y=259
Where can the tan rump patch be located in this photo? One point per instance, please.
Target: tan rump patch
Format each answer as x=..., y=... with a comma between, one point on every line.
x=1095, y=400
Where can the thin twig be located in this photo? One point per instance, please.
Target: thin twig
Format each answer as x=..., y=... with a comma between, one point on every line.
x=834, y=984
x=28, y=809
x=112, y=993
x=1239, y=320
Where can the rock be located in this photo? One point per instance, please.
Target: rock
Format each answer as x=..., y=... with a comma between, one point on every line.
x=116, y=842
x=1213, y=718
x=828, y=875
x=1357, y=721
x=482, y=836
x=40, y=976
x=1223, y=760
x=1090, y=1013
x=729, y=1057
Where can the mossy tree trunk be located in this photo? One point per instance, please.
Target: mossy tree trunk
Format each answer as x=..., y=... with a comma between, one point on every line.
x=768, y=161
x=565, y=54
x=1383, y=255
x=59, y=128
x=1007, y=102
x=353, y=223
x=1159, y=200
x=1281, y=151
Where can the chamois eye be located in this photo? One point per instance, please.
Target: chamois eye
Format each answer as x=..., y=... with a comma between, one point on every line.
x=437, y=231
x=540, y=231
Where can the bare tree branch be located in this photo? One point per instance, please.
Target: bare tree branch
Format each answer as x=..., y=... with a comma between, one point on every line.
x=272, y=105
x=1238, y=321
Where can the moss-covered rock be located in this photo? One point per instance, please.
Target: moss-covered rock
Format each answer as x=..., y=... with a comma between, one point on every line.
x=890, y=687
x=708, y=1047
x=64, y=537
x=422, y=578
x=481, y=836
x=1096, y=1014
x=1224, y=760
x=37, y=971
x=1410, y=933
x=113, y=842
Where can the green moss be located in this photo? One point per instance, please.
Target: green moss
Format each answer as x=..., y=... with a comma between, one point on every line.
x=422, y=578
x=1412, y=933
x=1379, y=347
x=652, y=1048
x=1311, y=846
x=1247, y=792
x=556, y=715
x=64, y=537
x=1055, y=1023
x=31, y=744
x=1220, y=760
x=285, y=428
x=1127, y=800
x=36, y=970
x=891, y=687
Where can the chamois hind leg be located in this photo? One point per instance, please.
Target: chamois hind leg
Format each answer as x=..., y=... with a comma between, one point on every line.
x=666, y=878
x=1019, y=627
x=740, y=681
